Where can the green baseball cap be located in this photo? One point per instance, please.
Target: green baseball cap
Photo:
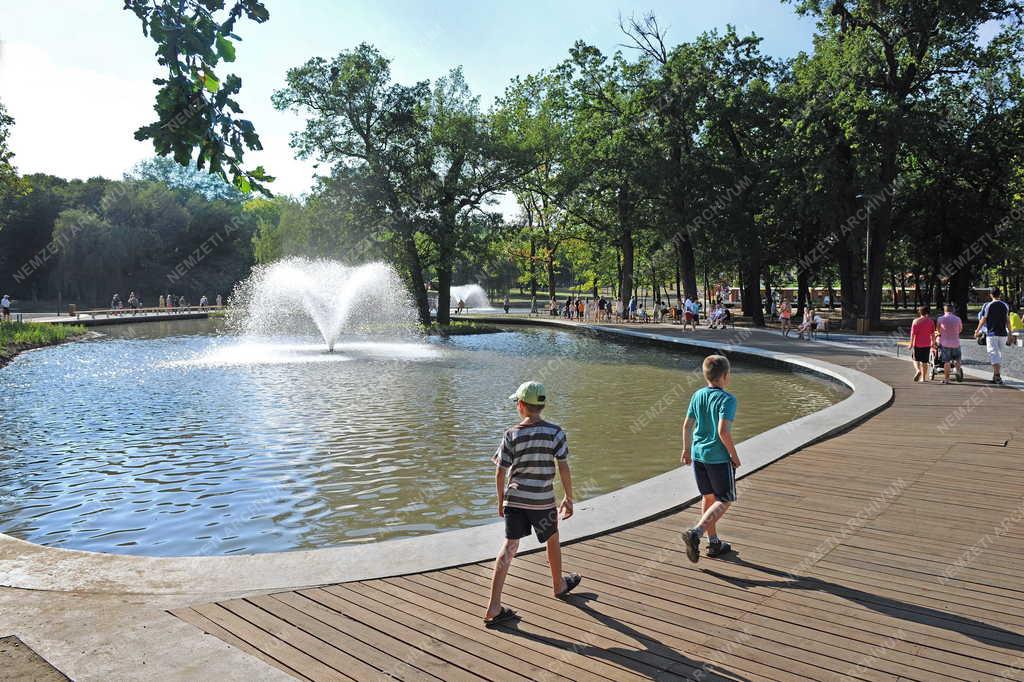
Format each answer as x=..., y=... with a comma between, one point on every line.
x=531, y=393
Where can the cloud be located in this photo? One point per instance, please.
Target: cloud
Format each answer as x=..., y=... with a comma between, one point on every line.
x=77, y=122
x=70, y=121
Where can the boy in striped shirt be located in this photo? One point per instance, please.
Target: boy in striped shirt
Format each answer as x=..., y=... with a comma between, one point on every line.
x=526, y=461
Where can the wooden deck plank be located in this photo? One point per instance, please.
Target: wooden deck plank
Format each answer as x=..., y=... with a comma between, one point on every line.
x=339, y=662
x=334, y=629
x=412, y=597
x=268, y=642
x=193, y=617
x=877, y=592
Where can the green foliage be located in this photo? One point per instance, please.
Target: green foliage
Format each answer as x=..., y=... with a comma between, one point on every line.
x=11, y=185
x=417, y=163
x=186, y=178
x=19, y=336
x=197, y=112
x=83, y=241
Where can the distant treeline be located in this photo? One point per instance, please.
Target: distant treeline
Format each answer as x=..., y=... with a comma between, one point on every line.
x=161, y=230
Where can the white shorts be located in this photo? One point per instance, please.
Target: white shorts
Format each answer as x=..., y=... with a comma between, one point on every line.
x=994, y=346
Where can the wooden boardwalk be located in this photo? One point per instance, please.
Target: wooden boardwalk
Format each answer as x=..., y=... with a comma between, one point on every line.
x=892, y=551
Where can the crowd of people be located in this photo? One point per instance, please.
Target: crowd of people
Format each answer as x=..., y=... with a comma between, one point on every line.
x=167, y=301
x=936, y=342
x=686, y=312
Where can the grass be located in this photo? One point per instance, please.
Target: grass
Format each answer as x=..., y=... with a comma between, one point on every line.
x=18, y=336
x=461, y=328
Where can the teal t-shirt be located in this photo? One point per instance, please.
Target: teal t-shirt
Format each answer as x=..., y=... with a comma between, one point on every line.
x=707, y=406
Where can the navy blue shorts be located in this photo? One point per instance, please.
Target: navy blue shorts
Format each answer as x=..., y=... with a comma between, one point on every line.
x=716, y=479
x=519, y=522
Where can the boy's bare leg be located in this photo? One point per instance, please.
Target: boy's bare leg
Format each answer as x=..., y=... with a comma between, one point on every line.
x=713, y=513
x=706, y=503
x=501, y=566
x=555, y=562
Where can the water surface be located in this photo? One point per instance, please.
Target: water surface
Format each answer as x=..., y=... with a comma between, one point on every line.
x=178, y=439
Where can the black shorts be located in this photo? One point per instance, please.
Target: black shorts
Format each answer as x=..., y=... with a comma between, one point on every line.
x=718, y=479
x=922, y=353
x=519, y=522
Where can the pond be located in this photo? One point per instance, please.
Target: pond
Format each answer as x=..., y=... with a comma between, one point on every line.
x=181, y=438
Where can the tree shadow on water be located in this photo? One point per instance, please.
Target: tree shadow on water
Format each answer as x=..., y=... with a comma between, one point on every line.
x=674, y=664
x=985, y=633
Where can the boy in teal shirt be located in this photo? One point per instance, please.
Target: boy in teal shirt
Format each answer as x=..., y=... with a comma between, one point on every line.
x=707, y=443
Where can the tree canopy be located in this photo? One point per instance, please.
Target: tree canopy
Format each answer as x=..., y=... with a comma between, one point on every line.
x=888, y=159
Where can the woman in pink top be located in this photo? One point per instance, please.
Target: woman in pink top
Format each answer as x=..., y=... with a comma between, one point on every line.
x=922, y=336
x=949, y=328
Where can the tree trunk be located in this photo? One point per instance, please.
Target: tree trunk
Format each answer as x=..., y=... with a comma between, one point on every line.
x=960, y=291
x=533, y=269
x=851, y=277
x=802, y=279
x=892, y=283
x=655, y=287
x=625, y=216
x=414, y=274
x=444, y=283
x=767, y=290
x=707, y=285
x=618, y=273
x=679, y=258
x=688, y=267
x=882, y=219
x=752, y=286
x=550, y=265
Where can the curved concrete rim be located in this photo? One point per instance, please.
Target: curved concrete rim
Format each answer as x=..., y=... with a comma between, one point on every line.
x=26, y=565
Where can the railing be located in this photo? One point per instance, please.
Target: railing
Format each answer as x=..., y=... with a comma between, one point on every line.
x=129, y=312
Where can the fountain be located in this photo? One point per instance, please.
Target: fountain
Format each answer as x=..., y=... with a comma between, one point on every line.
x=297, y=295
x=473, y=295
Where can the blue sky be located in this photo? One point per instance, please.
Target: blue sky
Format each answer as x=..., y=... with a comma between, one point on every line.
x=76, y=74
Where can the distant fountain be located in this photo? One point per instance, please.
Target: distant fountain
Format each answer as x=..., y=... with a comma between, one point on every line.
x=473, y=295
x=300, y=295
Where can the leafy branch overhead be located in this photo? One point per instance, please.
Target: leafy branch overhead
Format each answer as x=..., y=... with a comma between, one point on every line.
x=196, y=109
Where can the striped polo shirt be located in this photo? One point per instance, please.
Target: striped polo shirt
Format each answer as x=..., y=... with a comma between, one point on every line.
x=528, y=453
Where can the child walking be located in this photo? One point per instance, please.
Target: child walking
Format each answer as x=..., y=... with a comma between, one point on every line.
x=528, y=455
x=707, y=443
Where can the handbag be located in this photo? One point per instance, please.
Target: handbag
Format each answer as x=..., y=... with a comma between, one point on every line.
x=981, y=339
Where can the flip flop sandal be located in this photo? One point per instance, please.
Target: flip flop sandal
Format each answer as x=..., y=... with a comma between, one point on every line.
x=571, y=581
x=505, y=615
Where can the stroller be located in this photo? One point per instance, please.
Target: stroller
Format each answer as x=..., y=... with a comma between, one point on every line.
x=935, y=361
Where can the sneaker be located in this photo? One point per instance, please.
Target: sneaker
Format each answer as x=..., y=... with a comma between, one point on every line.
x=692, y=541
x=997, y=379
x=719, y=548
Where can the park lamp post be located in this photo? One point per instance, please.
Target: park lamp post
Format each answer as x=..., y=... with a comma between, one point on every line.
x=867, y=268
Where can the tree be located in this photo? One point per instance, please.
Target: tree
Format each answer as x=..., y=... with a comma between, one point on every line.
x=359, y=119
x=196, y=109
x=608, y=161
x=883, y=59
x=186, y=178
x=11, y=185
x=420, y=159
x=533, y=115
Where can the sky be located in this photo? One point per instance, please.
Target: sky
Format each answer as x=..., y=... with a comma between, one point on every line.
x=77, y=74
